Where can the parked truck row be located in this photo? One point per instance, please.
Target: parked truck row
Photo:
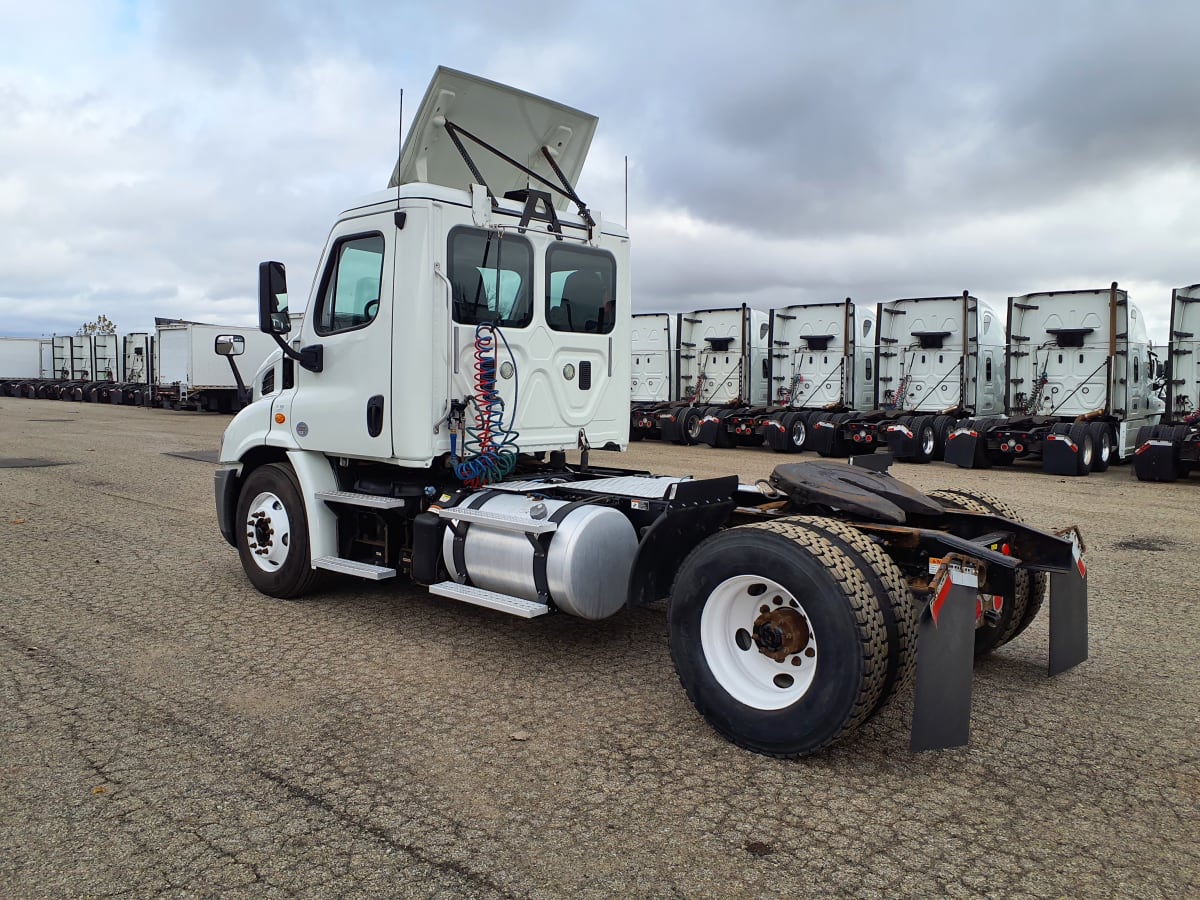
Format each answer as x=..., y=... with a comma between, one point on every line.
x=1072, y=381
x=173, y=367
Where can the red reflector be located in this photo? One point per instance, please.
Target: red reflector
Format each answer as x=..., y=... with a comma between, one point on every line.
x=1020, y=449
x=1142, y=449
x=1004, y=446
x=867, y=439
x=1006, y=550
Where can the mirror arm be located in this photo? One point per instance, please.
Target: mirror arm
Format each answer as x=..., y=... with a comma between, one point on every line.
x=311, y=357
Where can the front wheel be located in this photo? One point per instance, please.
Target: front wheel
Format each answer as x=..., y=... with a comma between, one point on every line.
x=778, y=638
x=272, y=536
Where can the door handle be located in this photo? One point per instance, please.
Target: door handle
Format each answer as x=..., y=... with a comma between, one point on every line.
x=375, y=415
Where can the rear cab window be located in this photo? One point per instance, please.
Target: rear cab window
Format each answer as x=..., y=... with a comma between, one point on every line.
x=580, y=290
x=491, y=277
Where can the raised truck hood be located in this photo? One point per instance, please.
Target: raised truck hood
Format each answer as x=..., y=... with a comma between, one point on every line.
x=517, y=123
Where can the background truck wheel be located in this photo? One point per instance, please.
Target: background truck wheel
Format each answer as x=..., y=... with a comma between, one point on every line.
x=795, y=431
x=942, y=426
x=1029, y=588
x=925, y=437
x=777, y=638
x=1081, y=434
x=272, y=534
x=689, y=426
x=1102, y=446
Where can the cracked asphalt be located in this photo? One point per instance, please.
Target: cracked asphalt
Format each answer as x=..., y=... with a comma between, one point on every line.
x=166, y=729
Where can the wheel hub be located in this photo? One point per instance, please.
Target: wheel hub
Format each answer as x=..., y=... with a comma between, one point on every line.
x=781, y=633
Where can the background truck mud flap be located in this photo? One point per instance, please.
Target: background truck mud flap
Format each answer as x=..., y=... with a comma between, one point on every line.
x=821, y=434
x=901, y=442
x=713, y=430
x=964, y=448
x=1060, y=455
x=1156, y=461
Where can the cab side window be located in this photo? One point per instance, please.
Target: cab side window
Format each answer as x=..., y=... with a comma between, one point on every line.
x=349, y=296
x=580, y=290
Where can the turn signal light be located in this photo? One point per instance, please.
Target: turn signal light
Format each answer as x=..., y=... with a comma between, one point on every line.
x=280, y=418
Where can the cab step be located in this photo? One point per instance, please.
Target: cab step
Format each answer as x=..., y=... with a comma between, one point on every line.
x=515, y=606
x=499, y=521
x=350, y=498
x=353, y=567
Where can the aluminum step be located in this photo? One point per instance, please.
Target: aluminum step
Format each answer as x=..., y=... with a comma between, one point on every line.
x=352, y=499
x=515, y=606
x=499, y=521
x=351, y=567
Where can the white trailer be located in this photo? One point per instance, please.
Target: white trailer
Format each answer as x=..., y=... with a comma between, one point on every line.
x=1171, y=449
x=188, y=372
x=20, y=358
x=461, y=341
x=822, y=363
x=1081, y=383
x=937, y=360
x=724, y=371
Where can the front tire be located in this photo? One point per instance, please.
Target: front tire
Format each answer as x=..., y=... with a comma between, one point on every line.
x=778, y=638
x=272, y=533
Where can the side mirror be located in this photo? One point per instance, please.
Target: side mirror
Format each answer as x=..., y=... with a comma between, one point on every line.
x=229, y=345
x=272, y=299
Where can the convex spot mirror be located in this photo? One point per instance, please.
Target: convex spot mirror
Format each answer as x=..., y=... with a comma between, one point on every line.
x=272, y=299
x=229, y=345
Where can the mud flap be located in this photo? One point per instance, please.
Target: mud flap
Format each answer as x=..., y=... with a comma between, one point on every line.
x=1060, y=455
x=1069, y=612
x=963, y=448
x=821, y=433
x=774, y=435
x=1156, y=461
x=669, y=427
x=713, y=431
x=901, y=442
x=945, y=660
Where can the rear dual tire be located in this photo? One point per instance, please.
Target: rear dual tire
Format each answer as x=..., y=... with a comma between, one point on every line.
x=788, y=634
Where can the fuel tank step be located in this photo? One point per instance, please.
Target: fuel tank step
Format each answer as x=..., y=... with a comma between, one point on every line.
x=514, y=606
x=499, y=521
x=352, y=499
x=351, y=567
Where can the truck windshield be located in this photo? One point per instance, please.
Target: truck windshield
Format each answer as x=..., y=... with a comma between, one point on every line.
x=491, y=276
x=580, y=290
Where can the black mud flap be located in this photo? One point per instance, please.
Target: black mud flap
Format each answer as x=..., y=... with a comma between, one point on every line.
x=945, y=660
x=1060, y=455
x=713, y=431
x=821, y=433
x=1069, y=612
x=670, y=427
x=964, y=448
x=774, y=435
x=1156, y=461
x=901, y=442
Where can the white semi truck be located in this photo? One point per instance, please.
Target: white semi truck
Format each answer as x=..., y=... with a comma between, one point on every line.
x=466, y=330
x=1081, y=383
x=937, y=360
x=723, y=364
x=1171, y=449
x=21, y=363
x=654, y=341
x=822, y=363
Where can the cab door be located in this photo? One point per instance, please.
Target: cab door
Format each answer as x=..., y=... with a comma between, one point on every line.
x=343, y=409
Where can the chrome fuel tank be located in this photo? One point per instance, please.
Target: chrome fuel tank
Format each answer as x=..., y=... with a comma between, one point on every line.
x=588, y=558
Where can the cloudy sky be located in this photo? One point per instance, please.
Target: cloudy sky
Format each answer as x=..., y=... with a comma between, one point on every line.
x=152, y=153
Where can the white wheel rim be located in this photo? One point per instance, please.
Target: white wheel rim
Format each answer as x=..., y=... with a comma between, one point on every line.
x=737, y=661
x=693, y=427
x=268, y=532
x=1105, y=447
x=1087, y=452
